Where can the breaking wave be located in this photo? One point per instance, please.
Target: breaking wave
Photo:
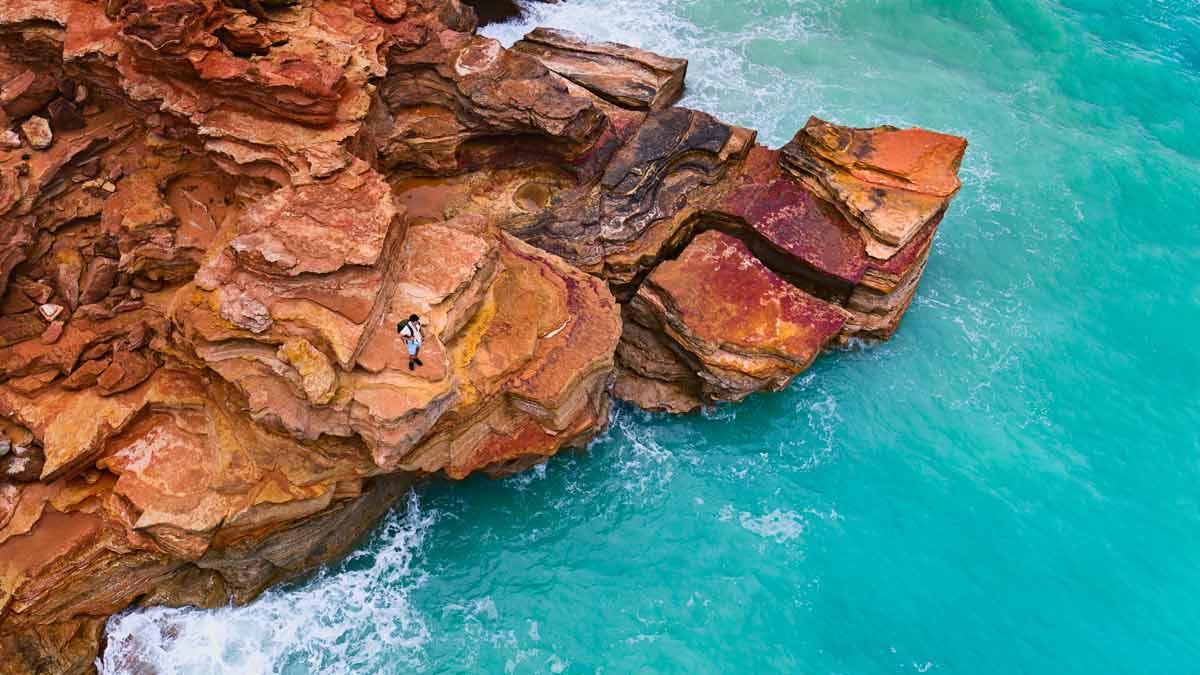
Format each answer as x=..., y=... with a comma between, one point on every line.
x=356, y=617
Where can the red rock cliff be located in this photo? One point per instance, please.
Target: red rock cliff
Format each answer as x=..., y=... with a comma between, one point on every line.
x=214, y=213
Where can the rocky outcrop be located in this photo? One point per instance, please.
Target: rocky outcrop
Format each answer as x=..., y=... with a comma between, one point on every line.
x=461, y=101
x=736, y=326
x=890, y=182
x=214, y=214
x=626, y=76
x=644, y=205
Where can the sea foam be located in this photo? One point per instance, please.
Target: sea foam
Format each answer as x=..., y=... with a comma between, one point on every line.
x=353, y=618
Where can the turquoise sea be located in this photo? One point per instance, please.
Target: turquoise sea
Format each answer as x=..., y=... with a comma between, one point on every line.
x=1012, y=485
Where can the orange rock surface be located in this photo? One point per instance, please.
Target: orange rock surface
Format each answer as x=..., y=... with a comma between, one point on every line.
x=891, y=181
x=740, y=327
x=214, y=214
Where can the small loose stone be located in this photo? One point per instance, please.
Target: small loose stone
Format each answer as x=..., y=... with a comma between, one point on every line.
x=10, y=139
x=50, y=311
x=37, y=131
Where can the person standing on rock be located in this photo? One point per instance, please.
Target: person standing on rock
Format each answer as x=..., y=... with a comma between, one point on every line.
x=411, y=332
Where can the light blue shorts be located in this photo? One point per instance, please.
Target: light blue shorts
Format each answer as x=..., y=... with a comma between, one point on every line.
x=413, y=346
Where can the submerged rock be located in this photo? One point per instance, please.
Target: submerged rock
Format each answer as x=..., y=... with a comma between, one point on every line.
x=224, y=212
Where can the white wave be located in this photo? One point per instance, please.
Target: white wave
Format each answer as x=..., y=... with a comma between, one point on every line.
x=824, y=421
x=819, y=408
x=521, y=481
x=644, y=465
x=782, y=526
x=640, y=23
x=357, y=618
x=725, y=514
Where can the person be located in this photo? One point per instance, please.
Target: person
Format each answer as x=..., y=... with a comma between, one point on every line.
x=411, y=332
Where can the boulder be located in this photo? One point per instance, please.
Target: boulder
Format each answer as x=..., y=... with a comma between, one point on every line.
x=891, y=182
x=86, y=375
x=98, y=279
x=50, y=311
x=126, y=370
x=53, y=332
x=626, y=76
x=37, y=132
x=27, y=92
x=390, y=10
x=739, y=327
x=16, y=328
x=64, y=116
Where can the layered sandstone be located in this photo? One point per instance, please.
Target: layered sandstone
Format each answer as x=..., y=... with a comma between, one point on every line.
x=736, y=326
x=214, y=213
x=890, y=182
x=629, y=77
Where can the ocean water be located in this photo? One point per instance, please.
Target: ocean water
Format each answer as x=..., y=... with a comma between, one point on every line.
x=1011, y=485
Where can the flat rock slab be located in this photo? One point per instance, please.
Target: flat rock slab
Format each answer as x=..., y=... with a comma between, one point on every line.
x=891, y=181
x=808, y=235
x=627, y=76
x=745, y=327
x=319, y=227
x=810, y=241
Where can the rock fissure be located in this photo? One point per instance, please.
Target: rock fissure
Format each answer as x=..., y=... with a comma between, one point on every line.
x=390, y=275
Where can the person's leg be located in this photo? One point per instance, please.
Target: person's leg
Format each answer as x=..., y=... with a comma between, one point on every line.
x=417, y=355
x=412, y=353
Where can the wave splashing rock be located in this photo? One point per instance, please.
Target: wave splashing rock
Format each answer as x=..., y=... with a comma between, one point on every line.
x=214, y=214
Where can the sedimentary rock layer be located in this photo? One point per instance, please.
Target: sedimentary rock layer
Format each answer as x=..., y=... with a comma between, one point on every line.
x=891, y=182
x=629, y=77
x=735, y=324
x=214, y=214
